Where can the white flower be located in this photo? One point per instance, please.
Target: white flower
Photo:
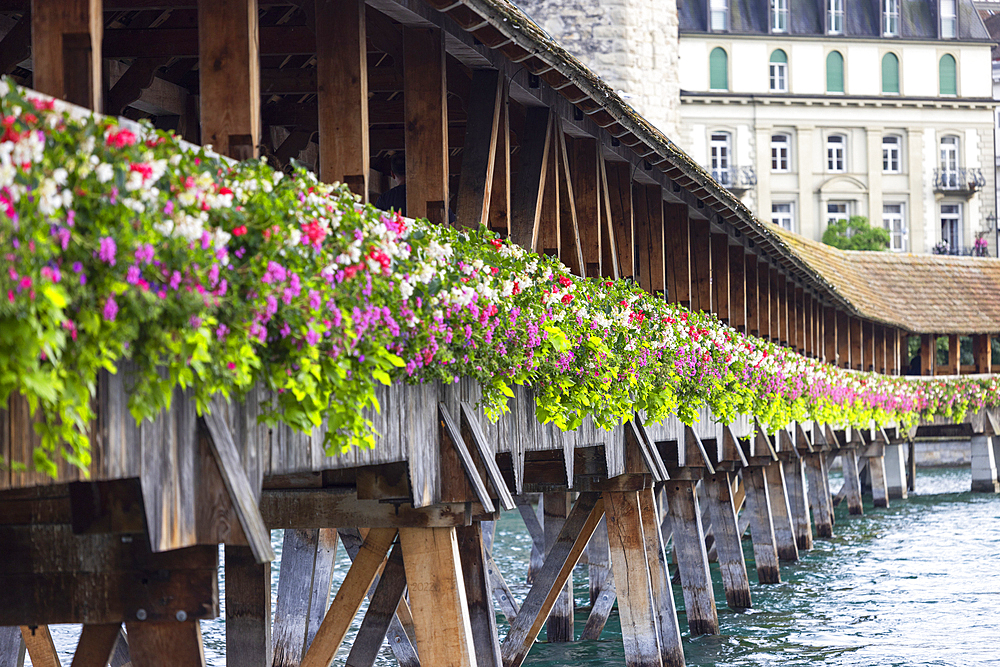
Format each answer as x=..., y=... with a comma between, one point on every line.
x=105, y=172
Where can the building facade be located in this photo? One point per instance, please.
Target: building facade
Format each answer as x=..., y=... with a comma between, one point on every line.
x=817, y=110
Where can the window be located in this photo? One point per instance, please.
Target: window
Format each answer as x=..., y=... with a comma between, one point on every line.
x=836, y=147
x=835, y=17
x=779, y=72
x=779, y=152
x=890, y=73
x=835, y=72
x=951, y=226
x=948, y=19
x=836, y=211
x=718, y=69
x=720, y=14
x=721, y=164
x=782, y=214
x=779, y=15
x=949, y=162
x=890, y=19
x=890, y=155
x=947, y=78
x=895, y=223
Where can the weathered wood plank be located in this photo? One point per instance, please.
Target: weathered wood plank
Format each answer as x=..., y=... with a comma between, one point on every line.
x=584, y=160
x=482, y=618
x=66, y=40
x=603, y=603
x=819, y=494
x=718, y=488
x=852, y=481
x=781, y=514
x=559, y=627
x=437, y=597
x=248, y=608
x=765, y=550
x=798, y=501
x=96, y=645
x=619, y=180
x=479, y=149
x=165, y=644
x=320, y=508
x=692, y=557
x=549, y=582
x=381, y=612
x=471, y=424
x=598, y=561
x=425, y=111
x=880, y=491
x=307, y=559
x=526, y=200
x=11, y=647
x=677, y=235
x=349, y=597
x=450, y=430
x=41, y=648
x=671, y=651
x=501, y=592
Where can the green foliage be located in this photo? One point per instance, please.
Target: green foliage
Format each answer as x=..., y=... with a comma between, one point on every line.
x=856, y=234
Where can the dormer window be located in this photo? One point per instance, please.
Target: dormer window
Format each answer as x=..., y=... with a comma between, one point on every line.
x=949, y=19
x=890, y=19
x=835, y=17
x=779, y=15
x=719, y=15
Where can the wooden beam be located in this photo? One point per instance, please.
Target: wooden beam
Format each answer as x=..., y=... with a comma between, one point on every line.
x=41, y=648
x=349, y=597
x=758, y=503
x=879, y=339
x=844, y=347
x=692, y=557
x=727, y=540
x=11, y=646
x=248, y=608
x=320, y=508
x=500, y=204
x=482, y=617
x=982, y=353
x=66, y=40
x=437, y=597
x=384, y=600
x=720, y=276
x=753, y=295
x=831, y=348
x=784, y=309
x=584, y=168
x=547, y=235
x=559, y=626
x=701, y=265
x=620, y=197
x=764, y=299
x=677, y=232
x=857, y=345
x=425, y=111
x=15, y=47
x=307, y=560
x=130, y=86
x=609, y=246
x=479, y=150
x=571, y=250
x=668, y=629
x=166, y=643
x=96, y=645
x=342, y=93
x=526, y=200
x=737, y=288
x=928, y=354
x=229, y=77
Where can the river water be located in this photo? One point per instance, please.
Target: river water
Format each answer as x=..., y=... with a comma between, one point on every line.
x=917, y=584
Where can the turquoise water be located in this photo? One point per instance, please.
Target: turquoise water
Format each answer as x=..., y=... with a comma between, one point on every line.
x=913, y=585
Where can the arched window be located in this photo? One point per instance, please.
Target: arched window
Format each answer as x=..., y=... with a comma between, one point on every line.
x=947, y=75
x=779, y=71
x=718, y=69
x=835, y=72
x=890, y=73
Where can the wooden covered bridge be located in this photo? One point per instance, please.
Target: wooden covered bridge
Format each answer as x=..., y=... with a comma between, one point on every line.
x=500, y=126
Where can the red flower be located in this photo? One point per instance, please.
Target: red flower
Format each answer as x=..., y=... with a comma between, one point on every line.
x=567, y=298
x=121, y=138
x=225, y=191
x=497, y=243
x=565, y=281
x=240, y=231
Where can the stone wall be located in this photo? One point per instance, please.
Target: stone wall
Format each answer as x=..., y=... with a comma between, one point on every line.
x=631, y=44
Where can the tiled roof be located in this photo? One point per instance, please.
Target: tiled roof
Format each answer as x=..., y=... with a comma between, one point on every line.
x=918, y=293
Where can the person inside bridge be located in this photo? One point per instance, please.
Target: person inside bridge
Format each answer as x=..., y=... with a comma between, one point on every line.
x=394, y=199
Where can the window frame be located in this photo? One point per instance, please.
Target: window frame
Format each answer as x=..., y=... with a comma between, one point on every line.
x=890, y=18
x=725, y=71
x=956, y=216
x=832, y=159
x=721, y=164
x=778, y=216
x=721, y=8
x=887, y=158
x=900, y=232
x=832, y=13
x=950, y=19
x=949, y=172
x=778, y=72
x=781, y=141
x=846, y=212
x=779, y=16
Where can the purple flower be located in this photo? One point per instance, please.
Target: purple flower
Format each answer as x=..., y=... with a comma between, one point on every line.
x=77, y=267
x=285, y=330
x=169, y=208
x=222, y=331
x=132, y=276
x=314, y=299
x=144, y=254
x=312, y=337
x=108, y=250
x=175, y=280
x=110, y=308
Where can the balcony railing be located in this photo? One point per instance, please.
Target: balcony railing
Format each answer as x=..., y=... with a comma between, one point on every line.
x=963, y=180
x=737, y=179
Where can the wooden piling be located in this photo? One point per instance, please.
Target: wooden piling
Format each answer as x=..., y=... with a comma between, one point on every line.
x=381, y=612
x=798, y=503
x=781, y=513
x=671, y=651
x=876, y=470
x=165, y=643
x=559, y=627
x=304, y=581
x=482, y=618
x=248, y=608
x=819, y=494
x=692, y=557
x=765, y=550
x=598, y=561
x=852, y=480
x=727, y=540
x=11, y=646
x=41, y=648
x=97, y=642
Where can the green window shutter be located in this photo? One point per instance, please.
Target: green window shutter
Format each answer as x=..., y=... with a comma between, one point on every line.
x=947, y=75
x=779, y=56
x=835, y=72
x=890, y=73
x=718, y=69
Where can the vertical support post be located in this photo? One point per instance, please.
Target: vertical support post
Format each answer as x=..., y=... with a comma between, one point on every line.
x=984, y=465
x=895, y=470
x=40, y=647
x=636, y=606
x=671, y=651
x=598, y=561
x=437, y=596
x=701, y=265
x=526, y=200
x=342, y=93
x=843, y=340
x=727, y=540
x=229, y=76
x=66, y=38
x=559, y=627
x=928, y=354
x=737, y=288
x=765, y=550
x=480, y=149
x=248, y=608
x=830, y=335
x=982, y=353
x=166, y=644
x=619, y=177
x=11, y=647
x=585, y=156
x=781, y=514
x=692, y=557
x=852, y=480
x=425, y=115
x=752, y=294
x=798, y=503
x=482, y=618
x=303, y=591
x=819, y=494
x=677, y=231
x=876, y=469
x=720, y=276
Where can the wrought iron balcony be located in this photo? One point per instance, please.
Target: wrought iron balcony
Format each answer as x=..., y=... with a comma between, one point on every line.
x=737, y=179
x=965, y=180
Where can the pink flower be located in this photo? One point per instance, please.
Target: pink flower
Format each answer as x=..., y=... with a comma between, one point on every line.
x=110, y=309
x=121, y=138
x=107, y=250
x=312, y=337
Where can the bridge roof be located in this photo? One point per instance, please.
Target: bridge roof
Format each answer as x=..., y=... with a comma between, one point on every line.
x=919, y=293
